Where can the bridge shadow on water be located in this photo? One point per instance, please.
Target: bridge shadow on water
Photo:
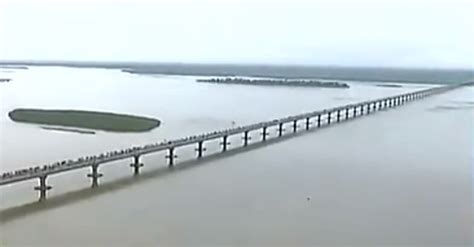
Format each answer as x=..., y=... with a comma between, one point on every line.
x=16, y=212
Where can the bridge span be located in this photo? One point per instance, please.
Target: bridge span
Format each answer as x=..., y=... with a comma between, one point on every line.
x=315, y=119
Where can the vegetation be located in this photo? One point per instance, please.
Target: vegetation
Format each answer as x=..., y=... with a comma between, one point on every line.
x=389, y=85
x=276, y=82
x=85, y=119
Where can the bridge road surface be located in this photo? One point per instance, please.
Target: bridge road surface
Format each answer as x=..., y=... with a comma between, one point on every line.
x=400, y=177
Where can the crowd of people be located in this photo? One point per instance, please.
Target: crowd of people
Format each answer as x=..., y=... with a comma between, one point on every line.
x=104, y=156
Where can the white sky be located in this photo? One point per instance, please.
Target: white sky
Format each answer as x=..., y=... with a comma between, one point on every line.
x=395, y=33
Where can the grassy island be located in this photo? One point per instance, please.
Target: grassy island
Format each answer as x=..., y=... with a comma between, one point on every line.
x=85, y=119
x=275, y=82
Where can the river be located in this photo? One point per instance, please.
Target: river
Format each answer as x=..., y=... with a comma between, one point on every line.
x=398, y=177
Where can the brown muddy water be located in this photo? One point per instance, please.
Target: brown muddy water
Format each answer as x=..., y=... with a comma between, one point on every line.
x=398, y=177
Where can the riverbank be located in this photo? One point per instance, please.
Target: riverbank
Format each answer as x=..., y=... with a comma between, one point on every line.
x=85, y=119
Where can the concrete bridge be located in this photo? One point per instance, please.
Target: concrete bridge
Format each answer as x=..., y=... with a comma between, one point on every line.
x=315, y=119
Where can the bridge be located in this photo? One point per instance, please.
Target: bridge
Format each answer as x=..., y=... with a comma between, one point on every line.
x=315, y=119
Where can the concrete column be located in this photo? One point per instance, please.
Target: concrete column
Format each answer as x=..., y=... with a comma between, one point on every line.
x=95, y=175
x=136, y=164
x=264, y=133
x=307, y=123
x=295, y=125
x=368, y=108
x=354, y=112
x=246, y=138
x=361, y=110
x=329, y=118
x=42, y=188
x=224, y=143
x=319, y=120
x=338, y=114
x=347, y=113
x=200, y=149
x=171, y=156
x=280, y=129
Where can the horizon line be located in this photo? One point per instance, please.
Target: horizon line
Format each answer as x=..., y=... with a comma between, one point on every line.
x=125, y=62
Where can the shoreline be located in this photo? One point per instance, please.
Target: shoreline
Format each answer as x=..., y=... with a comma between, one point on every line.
x=79, y=131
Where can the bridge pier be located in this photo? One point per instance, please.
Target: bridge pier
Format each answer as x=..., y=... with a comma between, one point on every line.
x=319, y=120
x=338, y=116
x=361, y=110
x=264, y=133
x=246, y=138
x=171, y=156
x=136, y=164
x=95, y=175
x=368, y=108
x=375, y=106
x=329, y=118
x=280, y=129
x=224, y=143
x=307, y=123
x=42, y=188
x=295, y=126
x=200, y=149
x=354, y=112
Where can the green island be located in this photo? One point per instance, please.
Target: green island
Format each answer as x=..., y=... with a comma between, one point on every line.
x=85, y=119
x=275, y=82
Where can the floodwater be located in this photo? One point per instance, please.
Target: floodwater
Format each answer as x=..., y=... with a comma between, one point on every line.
x=398, y=177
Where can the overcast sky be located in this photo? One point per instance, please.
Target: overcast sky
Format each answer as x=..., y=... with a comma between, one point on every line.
x=317, y=33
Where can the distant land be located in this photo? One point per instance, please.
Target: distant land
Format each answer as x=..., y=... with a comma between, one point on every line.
x=388, y=85
x=275, y=82
x=435, y=76
x=2, y=66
